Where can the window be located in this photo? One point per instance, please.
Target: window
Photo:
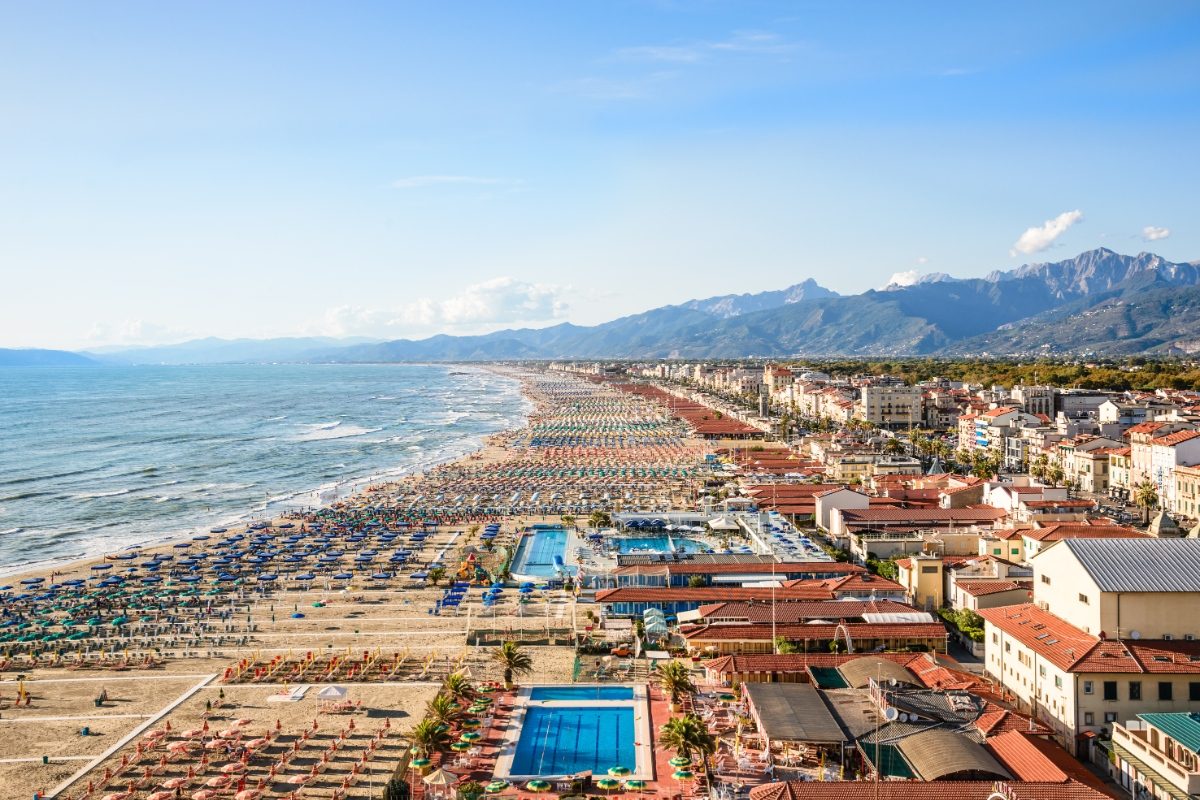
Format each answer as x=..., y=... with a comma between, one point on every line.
x=1058, y=681
x=995, y=638
x=1046, y=579
x=1194, y=691
x=1110, y=690
x=1083, y=598
x=1089, y=687
x=1110, y=716
x=1166, y=690
x=1135, y=690
x=996, y=551
x=1089, y=718
x=1016, y=551
x=929, y=570
x=1167, y=637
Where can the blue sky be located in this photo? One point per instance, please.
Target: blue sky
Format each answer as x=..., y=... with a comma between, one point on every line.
x=171, y=170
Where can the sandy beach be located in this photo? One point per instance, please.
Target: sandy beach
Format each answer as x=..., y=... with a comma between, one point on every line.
x=185, y=633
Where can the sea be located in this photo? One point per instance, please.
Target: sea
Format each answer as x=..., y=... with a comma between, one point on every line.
x=96, y=459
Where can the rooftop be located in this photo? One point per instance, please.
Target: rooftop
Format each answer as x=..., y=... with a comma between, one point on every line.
x=1140, y=565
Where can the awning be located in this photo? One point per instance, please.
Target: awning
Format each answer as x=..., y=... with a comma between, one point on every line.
x=792, y=712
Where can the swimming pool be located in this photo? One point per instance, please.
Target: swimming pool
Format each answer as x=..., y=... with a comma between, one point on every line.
x=659, y=544
x=536, y=551
x=563, y=741
x=581, y=693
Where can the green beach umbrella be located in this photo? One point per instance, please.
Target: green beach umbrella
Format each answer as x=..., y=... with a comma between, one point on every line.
x=619, y=771
x=608, y=784
x=538, y=785
x=471, y=736
x=469, y=723
x=635, y=785
x=420, y=762
x=683, y=775
x=680, y=761
x=496, y=786
x=460, y=747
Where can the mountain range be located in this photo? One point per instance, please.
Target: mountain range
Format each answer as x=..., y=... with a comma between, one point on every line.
x=1097, y=302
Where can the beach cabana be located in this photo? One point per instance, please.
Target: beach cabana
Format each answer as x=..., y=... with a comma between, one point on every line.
x=331, y=697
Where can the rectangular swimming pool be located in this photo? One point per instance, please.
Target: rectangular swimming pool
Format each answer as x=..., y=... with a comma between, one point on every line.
x=659, y=544
x=536, y=552
x=581, y=693
x=561, y=741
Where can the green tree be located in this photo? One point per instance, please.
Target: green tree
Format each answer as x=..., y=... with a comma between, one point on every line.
x=513, y=661
x=458, y=687
x=396, y=789
x=1145, y=495
x=428, y=736
x=600, y=519
x=675, y=682
x=696, y=581
x=436, y=574
x=443, y=709
x=785, y=647
x=687, y=735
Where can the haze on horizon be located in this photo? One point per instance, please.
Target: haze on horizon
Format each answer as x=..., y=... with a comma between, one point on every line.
x=250, y=170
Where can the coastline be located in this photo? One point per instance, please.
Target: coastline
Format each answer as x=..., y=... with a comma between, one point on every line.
x=347, y=490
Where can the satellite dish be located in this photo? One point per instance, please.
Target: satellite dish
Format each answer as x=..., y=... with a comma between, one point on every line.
x=1135, y=635
x=891, y=714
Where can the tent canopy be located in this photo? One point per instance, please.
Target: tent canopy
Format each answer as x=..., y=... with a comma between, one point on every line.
x=332, y=693
x=792, y=712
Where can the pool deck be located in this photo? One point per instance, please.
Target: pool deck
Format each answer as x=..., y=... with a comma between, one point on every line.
x=643, y=768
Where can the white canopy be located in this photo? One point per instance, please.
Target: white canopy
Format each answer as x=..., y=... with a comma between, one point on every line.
x=332, y=693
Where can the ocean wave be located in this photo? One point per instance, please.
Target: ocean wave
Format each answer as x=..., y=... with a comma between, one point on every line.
x=167, y=499
x=11, y=530
x=275, y=419
x=338, y=432
x=97, y=495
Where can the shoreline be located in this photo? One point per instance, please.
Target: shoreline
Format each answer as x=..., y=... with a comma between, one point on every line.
x=356, y=487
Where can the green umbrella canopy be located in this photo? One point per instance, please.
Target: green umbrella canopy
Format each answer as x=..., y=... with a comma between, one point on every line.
x=683, y=774
x=619, y=771
x=538, y=785
x=680, y=761
x=608, y=783
x=634, y=784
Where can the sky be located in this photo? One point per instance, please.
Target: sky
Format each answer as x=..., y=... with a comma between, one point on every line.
x=186, y=169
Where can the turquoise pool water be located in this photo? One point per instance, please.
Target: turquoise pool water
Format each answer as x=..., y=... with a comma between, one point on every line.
x=582, y=693
x=535, y=554
x=561, y=741
x=660, y=544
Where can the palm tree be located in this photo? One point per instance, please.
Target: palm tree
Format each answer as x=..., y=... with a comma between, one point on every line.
x=513, y=661
x=428, y=736
x=600, y=519
x=675, y=682
x=893, y=446
x=435, y=575
x=458, y=687
x=686, y=735
x=1146, y=497
x=443, y=709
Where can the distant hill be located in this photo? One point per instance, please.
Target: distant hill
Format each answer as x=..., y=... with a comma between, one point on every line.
x=43, y=358
x=227, y=351
x=934, y=314
x=1097, y=302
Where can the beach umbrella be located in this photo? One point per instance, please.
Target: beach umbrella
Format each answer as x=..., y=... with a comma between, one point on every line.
x=161, y=796
x=471, y=736
x=496, y=786
x=174, y=783
x=204, y=794
x=635, y=785
x=683, y=775
x=680, y=761
x=460, y=747
x=608, y=784
x=420, y=763
x=217, y=782
x=538, y=785
x=233, y=767
x=298, y=780
x=246, y=794
x=439, y=777
x=619, y=771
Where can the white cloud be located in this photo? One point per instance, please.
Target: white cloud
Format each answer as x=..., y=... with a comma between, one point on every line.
x=422, y=181
x=906, y=278
x=479, y=307
x=133, y=333
x=922, y=260
x=1152, y=233
x=1039, y=237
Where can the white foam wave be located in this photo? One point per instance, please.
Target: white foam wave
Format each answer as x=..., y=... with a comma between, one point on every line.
x=338, y=432
x=11, y=530
x=94, y=495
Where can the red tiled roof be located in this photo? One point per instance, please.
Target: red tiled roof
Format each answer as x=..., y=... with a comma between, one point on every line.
x=982, y=588
x=1172, y=439
x=1059, y=503
x=1069, y=648
x=920, y=790
x=711, y=594
x=1023, y=758
x=917, y=515
x=782, y=569
x=858, y=630
x=1054, y=533
x=796, y=662
x=795, y=612
x=1146, y=427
